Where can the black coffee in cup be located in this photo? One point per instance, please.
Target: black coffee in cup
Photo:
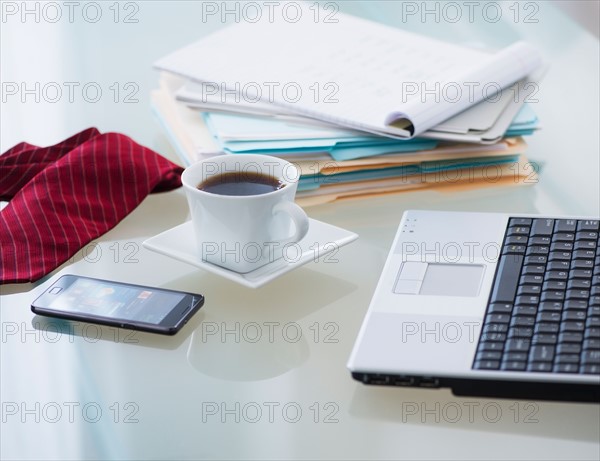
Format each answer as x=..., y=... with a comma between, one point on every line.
x=241, y=183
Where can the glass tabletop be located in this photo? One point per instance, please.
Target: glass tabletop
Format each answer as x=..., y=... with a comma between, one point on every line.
x=261, y=374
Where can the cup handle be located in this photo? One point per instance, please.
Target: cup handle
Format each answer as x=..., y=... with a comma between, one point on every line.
x=298, y=216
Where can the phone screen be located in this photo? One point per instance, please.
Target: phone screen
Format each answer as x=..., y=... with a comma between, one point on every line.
x=112, y=300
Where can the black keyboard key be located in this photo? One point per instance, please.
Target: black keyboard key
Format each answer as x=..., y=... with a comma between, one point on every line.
x=522, y=321
x=577, y=294
x=529, y=290
x=497, y=318
x=584, y=254
x=567, y=358
x=527, y=300
x=513, y=366
x=515, y=357
x=535, y=260
x=517, y=345
x=516, y=240
x=572, y=326
x=582, y=264
x=520, y=332
x=592, y=333
x=493, y=336
x=579, y=315
x=560, y=256
x=489, y=355
x=593, y=322
x=549, y=317
x=490, y=346
x=487, y=364
x=554, y=285
x=590, y=357
x=500, y=308
x=518, y=230
x=591, y=344
x=557, y=275
x=585, y=245
x=544, y=338
x=524, y=310
x=579, y=284
x=540, y=241
x=537, y=250
x=558, y=266
x=566, y=368
x=546, y=327
x=587, y=225
x=495, y=327
x=505, y=286
x=594, y=300
x=586, y=235
x=563, y=237
x=581, y=274
x=568, y=348
x=595, y=279
x=542, y=227
x=561, y=246
x=575, y=304
x=590, y=369
x=593, y=311
x=565, y=225
x=570, y=337
x=541, y=353
x=514, y=249
x=553, y=295
x=534, y=270
x=542, y=367
x=519, y=222
x=531, y=279
x=595, y=290
x=550, y=306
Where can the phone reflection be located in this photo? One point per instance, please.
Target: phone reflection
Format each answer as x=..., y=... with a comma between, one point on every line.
x=54, y=329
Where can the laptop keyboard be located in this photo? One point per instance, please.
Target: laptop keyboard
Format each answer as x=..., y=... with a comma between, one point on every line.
x=544, y=310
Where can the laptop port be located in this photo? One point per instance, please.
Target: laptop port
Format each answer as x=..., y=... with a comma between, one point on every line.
x=376, y=379
x=429, y=382
x=402, y=380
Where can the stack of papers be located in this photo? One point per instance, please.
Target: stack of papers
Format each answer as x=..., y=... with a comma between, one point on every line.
x=386, y=130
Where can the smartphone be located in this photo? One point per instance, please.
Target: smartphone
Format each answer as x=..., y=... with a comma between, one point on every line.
x=155, y=310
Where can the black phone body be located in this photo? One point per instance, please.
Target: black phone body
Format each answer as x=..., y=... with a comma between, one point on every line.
x=156, y=310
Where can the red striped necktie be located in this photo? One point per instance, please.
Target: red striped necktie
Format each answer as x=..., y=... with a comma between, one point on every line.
x=63, y=196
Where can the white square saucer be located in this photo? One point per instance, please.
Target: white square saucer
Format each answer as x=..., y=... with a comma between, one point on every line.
x=179, y=243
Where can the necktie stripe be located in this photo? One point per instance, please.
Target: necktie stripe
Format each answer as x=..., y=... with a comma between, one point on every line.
x=64, y=209
x=111, y=192
x=73, y=193
x=98, y=204
x=130, y=154
x=37, y=213
x=55, y=217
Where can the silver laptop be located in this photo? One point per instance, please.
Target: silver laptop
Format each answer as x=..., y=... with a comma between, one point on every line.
x=487, y=304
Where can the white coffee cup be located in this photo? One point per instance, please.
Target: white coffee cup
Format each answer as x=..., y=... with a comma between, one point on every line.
x=244, y=232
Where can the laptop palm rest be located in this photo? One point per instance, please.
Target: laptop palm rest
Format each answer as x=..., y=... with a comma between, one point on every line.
x=439, y=279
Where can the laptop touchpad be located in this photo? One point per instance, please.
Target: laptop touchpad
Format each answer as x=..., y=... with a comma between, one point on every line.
x=439, y=279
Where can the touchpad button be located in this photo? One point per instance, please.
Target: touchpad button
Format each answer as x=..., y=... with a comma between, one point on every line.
x=452, y=279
